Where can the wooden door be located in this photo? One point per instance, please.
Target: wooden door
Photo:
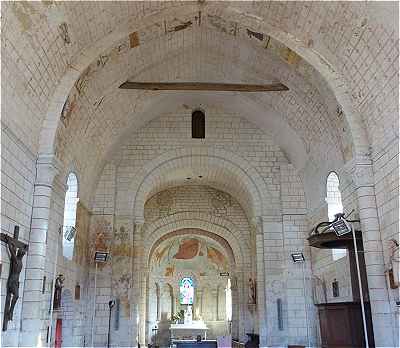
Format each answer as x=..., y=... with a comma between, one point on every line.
x=341, y=325
x=58, y=336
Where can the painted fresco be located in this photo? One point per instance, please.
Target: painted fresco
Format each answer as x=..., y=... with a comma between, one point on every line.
x=81, y=254
x=199, y=255
x=101, y=234
x=122, y=262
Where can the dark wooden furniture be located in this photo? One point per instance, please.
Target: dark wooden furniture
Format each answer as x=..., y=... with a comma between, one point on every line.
x=341, y=325
x=253, y=342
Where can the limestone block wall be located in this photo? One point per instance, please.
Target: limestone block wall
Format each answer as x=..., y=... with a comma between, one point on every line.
x=17, y=180
x=230, y=132
x=299, y=312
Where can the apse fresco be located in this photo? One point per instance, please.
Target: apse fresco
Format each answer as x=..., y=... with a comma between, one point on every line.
x=202, y=256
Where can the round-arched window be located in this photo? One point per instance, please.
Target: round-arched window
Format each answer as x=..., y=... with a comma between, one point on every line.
x=71, y=202
x=335, y=206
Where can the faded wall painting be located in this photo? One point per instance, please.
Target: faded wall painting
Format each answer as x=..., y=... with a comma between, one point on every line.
x=81, y=253
x=101, y=234
x=199, y=255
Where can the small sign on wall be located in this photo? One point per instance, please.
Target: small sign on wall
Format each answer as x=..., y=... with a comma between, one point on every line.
x=224, y=274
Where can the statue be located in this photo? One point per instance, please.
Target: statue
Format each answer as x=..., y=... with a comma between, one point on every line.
x=57, y=291
x=188, y=315
x=252, y=291
x=17, y=251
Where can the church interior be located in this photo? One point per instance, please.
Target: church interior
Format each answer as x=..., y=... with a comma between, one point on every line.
x=204, y=174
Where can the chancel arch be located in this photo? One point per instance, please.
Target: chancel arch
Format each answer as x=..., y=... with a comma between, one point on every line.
x=216, y=166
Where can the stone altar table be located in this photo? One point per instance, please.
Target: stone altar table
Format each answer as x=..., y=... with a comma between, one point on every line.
x=189, y=330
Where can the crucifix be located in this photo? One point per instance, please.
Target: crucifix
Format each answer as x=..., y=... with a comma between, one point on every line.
x=17, y=250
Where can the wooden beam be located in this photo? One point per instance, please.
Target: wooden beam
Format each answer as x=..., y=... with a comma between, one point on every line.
x=204, y=86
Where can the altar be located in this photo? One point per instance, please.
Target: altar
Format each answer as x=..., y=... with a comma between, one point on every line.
x=189, y=330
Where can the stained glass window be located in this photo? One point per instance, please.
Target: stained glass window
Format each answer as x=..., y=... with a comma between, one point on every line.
x=186, y=291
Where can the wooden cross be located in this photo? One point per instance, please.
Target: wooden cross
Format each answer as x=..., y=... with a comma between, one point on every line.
x=18, y=244
x=17, y=250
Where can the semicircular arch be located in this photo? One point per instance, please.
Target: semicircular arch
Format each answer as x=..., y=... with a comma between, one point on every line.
x=224, y=167
x=212, y=224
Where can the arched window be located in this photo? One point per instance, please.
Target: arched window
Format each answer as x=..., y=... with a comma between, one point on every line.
x=228, y=301
x=334, y=200
x=198, y=124
x=71, y=201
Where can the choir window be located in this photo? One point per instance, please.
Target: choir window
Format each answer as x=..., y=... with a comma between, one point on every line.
x=198, y=124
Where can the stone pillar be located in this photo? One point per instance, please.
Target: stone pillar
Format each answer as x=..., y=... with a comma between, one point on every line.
x=139, y=285
x=274, y=266
x=261, y=300
x=32, y=331
x=235, y=307
x=214, y=296
x=361, y=172
x=199, y=305
x=242, y=304
x=122, y=268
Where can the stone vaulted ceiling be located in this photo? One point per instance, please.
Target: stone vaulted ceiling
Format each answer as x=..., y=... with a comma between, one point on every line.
x=67, y=60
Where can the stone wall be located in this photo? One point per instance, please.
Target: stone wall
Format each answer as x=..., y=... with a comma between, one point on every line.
x=17, y=180
x=225, y=131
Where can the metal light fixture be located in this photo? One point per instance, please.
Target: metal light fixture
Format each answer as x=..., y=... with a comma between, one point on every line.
x=298, y=257
x=69, y=233
x=100, y=256
x=340, y=225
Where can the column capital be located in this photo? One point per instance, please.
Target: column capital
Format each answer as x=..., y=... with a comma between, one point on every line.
x=257, y=224
x=360, y=171
x=47, y=167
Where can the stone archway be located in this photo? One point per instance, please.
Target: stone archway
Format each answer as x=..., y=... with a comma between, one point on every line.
x=210, y=303
x=224, y=166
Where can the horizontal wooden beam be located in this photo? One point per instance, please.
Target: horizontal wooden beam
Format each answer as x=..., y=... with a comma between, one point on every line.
x=204, y=86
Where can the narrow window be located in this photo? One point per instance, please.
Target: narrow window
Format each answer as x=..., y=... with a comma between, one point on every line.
x=334, y=200
x=77, y=292
x=44, y=285
x=198, y=124
x=228, y=301
x=71, y=201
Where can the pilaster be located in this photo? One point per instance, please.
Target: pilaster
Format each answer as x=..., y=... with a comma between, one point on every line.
x=47, y=167
x=360, y=170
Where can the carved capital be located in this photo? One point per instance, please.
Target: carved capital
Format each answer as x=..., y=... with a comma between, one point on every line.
x=360, y=170
x=257, y=225
x=138, y=228
x=47, y=167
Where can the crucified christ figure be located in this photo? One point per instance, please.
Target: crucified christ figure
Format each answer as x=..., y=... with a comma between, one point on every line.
x=13, y=281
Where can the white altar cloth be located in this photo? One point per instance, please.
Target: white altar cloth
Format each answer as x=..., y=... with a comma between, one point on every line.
x=196, y=327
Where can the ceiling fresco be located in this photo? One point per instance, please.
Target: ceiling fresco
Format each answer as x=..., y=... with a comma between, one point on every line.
x=189, y=253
